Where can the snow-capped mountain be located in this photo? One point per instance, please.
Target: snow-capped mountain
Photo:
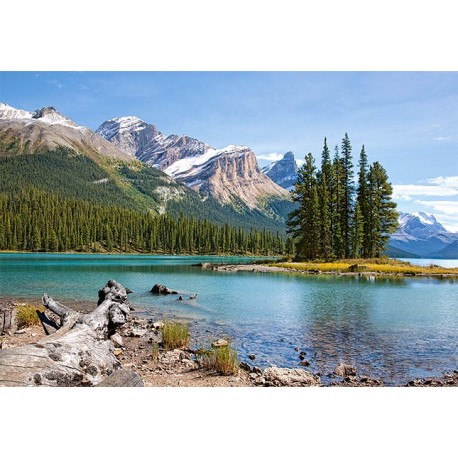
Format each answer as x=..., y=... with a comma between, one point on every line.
x=283, y=172
x=228, y=174
x=48, y=115
x=419, y=224
x=422, y=235
x=47, y=128
x=145, y=142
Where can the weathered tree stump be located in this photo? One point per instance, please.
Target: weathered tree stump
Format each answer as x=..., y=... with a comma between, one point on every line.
x=6, y=319
x=79, y=353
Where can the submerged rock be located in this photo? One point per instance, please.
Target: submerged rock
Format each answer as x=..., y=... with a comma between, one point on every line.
x=161, y=289
x=345, y=370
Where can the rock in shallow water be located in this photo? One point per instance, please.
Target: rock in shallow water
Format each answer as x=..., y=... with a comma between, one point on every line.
x=345, y=370
x=161, y=289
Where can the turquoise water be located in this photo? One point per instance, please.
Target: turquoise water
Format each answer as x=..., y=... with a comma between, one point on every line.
x=427, y=262
x=394, y=329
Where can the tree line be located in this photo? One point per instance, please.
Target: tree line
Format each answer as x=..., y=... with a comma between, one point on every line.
x=337, y=217
x=34, y=220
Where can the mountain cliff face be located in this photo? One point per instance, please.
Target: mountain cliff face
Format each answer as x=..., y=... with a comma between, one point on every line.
x=47, y=151
x=146, y=143
x=283, y=172
x=230, y=175
x=422, y=235
x=23, y=131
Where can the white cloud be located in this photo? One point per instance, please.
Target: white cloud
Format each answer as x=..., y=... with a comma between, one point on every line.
x=435, y=187
x=406, y=191
x=270, y=156
x=442, y=139
x=446, y=206
x=445, y=181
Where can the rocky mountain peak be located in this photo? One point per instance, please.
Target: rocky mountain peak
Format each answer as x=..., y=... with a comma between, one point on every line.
x=284, y=171
x=52, y=116
x=419, y=224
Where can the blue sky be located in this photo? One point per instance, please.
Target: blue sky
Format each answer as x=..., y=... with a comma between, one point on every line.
x=407, y=120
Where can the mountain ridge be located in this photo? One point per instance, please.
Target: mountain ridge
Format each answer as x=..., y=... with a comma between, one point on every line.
x=422, y=235
x=229, y=174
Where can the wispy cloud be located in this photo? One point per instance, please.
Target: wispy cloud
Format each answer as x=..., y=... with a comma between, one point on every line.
x=442, y=139
x=446, y=206
x=270, y=156
x=56, y=83
x=436, y=187
x=451, y=181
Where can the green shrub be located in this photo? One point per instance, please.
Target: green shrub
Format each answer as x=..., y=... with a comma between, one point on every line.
x=175, y=335
x=26, y=316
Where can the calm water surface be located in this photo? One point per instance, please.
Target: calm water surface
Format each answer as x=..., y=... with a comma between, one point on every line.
x=394, y=329
x=428, y=262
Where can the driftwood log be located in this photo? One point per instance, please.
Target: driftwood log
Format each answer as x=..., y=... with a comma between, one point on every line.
x=79, y=353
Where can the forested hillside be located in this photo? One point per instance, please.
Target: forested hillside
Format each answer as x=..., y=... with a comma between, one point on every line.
x=33, y=220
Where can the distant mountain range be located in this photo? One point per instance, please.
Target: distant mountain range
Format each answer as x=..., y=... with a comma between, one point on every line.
x=165, y=174
x=131, y=163
x=420, y=235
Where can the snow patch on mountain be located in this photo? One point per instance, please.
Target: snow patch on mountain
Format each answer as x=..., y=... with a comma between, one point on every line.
x=48, y=115
x=185, y=165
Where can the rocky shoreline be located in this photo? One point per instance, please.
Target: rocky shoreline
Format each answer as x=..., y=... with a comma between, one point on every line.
x=134, y=343
x=265, y=268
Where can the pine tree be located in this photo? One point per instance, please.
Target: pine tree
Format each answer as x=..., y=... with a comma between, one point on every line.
x=346, y=207
x=383, y=215
x=336, y=201
x=362, y=199
x=304, y=222
x=325, y=204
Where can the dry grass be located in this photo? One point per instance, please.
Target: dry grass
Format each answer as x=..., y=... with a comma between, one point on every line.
x=26, y=316
x=382, y=265
x=155, y=351
x=175, y=335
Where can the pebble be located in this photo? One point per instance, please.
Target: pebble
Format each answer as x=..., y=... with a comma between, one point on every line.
x=252, y=356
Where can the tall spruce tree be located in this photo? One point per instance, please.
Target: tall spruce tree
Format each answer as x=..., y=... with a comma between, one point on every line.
x=304, y=222
x=336, y=200
x=362, y=220
x=383, y=216
x=325, y=204
x=346, y=206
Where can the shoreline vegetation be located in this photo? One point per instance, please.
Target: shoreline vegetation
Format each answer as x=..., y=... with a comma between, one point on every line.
x=355, y=267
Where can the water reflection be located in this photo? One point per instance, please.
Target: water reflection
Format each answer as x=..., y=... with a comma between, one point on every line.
x=394, y=328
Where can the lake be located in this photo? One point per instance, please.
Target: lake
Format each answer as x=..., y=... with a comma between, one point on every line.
x=427, y=262
x=395, y=329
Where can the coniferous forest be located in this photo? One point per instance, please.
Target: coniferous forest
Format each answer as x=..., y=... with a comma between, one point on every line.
x=337, y=217
x=34, y=220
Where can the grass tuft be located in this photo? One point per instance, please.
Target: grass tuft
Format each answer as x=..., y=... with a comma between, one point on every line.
x=221, y=359
x=26, y=316
x=175, y=335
